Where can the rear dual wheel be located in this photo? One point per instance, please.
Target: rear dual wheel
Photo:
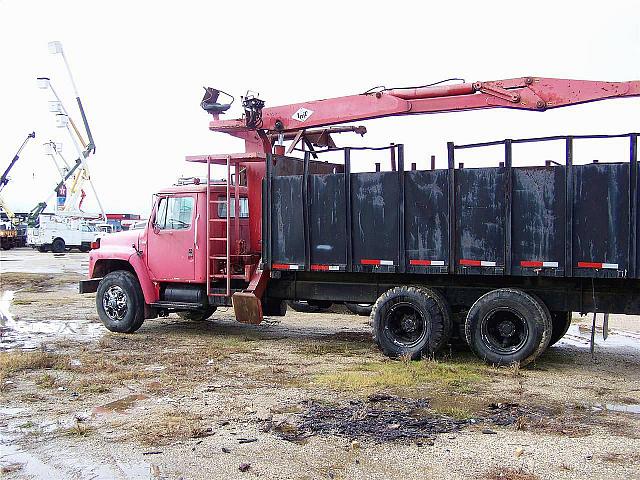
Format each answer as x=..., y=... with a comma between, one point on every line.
x=362, y=309
x=507, y=326
x=310, y=306
x=411, y=322
x=197, y=315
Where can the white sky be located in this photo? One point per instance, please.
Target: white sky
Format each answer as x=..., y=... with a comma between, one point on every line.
x=140, y=67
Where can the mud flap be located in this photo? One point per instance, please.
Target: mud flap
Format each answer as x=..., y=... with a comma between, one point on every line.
x=247, y=307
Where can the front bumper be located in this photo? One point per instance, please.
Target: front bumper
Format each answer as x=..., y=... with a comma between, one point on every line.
x=89, y=286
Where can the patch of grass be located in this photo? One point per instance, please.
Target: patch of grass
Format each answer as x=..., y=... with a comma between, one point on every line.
x=508, y=473
x=36, y=282
x=457, y=412
x=389, y=374
x=622, y=458
x=94, y=385
x=22, y=301
x=79, y=430
x=14, y=362
x=313, y=349
x=170, y=427
x=46, y=380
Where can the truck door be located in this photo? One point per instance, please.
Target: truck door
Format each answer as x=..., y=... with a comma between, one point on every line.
x=171, y=240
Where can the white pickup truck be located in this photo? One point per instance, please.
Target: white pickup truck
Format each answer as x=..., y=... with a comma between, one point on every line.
x=58, y=234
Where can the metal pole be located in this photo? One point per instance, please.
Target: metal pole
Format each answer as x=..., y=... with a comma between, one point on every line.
x=80, y=107
x=81, y=155
x=208, y=247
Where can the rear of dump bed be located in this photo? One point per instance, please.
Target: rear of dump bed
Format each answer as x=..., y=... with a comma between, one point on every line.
x=561, y=221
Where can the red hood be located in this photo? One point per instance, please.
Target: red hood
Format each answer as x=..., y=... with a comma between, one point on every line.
x=126, y=238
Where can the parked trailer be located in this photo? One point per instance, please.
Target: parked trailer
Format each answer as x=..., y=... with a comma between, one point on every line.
x=511, y=250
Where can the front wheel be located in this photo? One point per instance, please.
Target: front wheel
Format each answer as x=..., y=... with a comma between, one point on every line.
x=58, y=246
x=120, y=302
x=197, y=315
x=507, y=326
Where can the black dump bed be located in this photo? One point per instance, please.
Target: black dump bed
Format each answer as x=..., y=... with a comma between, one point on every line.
x=555, y=220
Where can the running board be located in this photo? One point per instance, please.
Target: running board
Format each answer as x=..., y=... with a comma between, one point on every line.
x=177, y=305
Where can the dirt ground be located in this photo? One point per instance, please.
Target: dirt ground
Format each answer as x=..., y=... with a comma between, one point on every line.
x=304, y=396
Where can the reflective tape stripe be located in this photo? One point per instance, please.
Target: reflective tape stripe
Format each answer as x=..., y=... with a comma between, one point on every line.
x=376, y=262
x=326, y=268
x=286, y=266
x=476, y=263
x=427, y=263
x=536, y=264
x=612, y=266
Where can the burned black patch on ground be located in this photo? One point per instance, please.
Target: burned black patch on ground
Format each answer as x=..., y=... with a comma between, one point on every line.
x=386, y=418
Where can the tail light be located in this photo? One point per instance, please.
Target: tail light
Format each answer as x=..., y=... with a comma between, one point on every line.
x=95, y=245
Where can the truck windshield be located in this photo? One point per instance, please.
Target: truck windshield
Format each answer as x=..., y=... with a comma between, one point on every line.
x=174, y=213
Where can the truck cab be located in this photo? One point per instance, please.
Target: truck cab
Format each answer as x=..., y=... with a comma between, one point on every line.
x=191, y=235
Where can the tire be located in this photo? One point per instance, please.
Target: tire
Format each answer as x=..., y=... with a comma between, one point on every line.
x=305, y=306
x=410, y=321
x=197, y=315
x=362, y=309
x=58, y=246
x=273, y=307
x=120, y=302
x=42, y=248
x=508, y=326
x=84, y=248
x=560, y=325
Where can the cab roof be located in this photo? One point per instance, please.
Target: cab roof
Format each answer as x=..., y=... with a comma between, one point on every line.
x=199, y=188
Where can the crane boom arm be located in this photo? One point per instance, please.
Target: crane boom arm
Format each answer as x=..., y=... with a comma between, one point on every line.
x=4, y=179
x=526, y=93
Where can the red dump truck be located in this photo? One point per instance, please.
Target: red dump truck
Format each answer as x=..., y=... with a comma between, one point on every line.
x=499, y=256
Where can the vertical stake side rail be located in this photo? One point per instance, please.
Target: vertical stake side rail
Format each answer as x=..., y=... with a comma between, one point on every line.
x=508, y=161
x=633, y=203
x=347, y=203
x=236, y=217
x=228, y=222
x=452, y=207
x=568, y=252
x=305, y=211
x=266, y=235
x=402, y=267
x=208, y=242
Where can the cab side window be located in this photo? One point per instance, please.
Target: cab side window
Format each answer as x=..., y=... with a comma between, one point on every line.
x=244, y=208
x=174, y=213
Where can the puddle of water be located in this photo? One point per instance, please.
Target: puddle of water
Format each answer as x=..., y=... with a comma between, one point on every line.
x=71, y=465
x=581, y=337
x=618, y=407
x=30, y=334
x=121, y=405
x=12, y=411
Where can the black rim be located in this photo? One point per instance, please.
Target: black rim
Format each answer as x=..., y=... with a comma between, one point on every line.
x=504, y=331
x=406, y=325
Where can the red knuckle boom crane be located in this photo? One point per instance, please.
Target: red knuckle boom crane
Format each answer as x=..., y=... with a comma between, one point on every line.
x=525, y=93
